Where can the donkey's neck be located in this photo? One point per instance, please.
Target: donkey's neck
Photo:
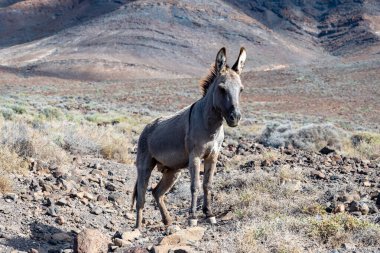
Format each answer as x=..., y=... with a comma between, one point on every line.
x=212, y=118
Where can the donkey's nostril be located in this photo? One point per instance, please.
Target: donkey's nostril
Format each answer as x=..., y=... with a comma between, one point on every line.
x=231, y=117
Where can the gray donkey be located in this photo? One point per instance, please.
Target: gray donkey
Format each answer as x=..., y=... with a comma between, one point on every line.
x=187, y=137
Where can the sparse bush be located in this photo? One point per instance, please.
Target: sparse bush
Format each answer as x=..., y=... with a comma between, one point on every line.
x=28, y=142
x=273, y=236
x=286, y=173
x=6, y=113
x=81, y=140
x=335, y=229
x=365, y=145
x=310, y=137
x=10, y=162
x=51, y=113
x=19, y=109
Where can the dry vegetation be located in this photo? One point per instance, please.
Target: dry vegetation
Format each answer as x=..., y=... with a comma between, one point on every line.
x=276, y=210
x=276, y=216
x=52, y=135
x=270, y=212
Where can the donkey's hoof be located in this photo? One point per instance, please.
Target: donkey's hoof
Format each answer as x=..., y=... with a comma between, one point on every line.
x=193, y=222
x=211, y=220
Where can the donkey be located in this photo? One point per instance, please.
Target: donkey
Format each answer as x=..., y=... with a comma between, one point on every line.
x=185, y=138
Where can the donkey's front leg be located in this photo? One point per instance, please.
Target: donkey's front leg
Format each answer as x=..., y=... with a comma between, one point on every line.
x=194, y=166
x=210, y=167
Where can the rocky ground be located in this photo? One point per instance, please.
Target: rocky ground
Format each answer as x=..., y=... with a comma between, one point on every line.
x=52, y=205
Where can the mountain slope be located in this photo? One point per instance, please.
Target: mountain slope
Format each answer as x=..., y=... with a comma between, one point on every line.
x=340, y=27
x=170, y=39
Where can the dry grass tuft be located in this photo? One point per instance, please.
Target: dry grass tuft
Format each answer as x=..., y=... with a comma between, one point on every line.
x=116, y=146
x=5, y=184
x=10, y=162
x=107, y=141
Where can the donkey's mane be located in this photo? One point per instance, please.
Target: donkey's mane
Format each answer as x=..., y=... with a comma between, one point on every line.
x=206, y=82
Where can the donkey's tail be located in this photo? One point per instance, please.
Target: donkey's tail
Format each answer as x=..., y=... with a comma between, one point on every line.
x=134, y=194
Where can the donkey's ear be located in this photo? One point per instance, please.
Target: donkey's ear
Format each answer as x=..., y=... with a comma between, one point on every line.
x=221, y=60
x=239, y=64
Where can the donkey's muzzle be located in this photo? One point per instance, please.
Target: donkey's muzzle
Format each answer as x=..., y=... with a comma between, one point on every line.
x=233, y=118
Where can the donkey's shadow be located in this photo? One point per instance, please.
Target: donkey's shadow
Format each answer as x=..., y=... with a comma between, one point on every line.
x=40, y=239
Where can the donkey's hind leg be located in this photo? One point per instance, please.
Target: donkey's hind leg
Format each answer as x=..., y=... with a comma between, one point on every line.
x=169, y=177
x=144, y=170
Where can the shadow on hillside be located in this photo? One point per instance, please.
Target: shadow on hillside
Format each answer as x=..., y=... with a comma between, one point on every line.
x=40, y=239
x=40, y=21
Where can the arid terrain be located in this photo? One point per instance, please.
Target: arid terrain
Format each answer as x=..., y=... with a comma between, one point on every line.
x=79, y=80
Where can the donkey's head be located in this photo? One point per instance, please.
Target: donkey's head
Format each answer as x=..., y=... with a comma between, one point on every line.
x=226, y=93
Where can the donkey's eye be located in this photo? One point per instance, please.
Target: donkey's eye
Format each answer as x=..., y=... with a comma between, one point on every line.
x=222, y=90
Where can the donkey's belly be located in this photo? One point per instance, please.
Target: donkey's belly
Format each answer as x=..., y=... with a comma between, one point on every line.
x=174, y=159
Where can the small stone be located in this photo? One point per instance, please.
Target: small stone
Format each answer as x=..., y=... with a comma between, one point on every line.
x=347, y=198
x=131, y=235
x=101, y=198
x=9, y=197
x=354, y=206
x=88, y=196
x=318, y=174
x=130, y=216
x=339, y=208
x=120, y=242
x=172, y=248
x=33, y=251
x=78, y=160
x=172, y=229
x=116, y=197
x=364, y=208
x=96, y=210
x=80, y=195
x=60, y=220
x=91, y=240
x=62, y=202
x=326, y=150
x=184, y=237
x=356, y=196
x=367, y=184
x=110, y=187
x=52, y=211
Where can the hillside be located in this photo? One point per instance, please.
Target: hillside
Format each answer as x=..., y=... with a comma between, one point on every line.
x=178, y=38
